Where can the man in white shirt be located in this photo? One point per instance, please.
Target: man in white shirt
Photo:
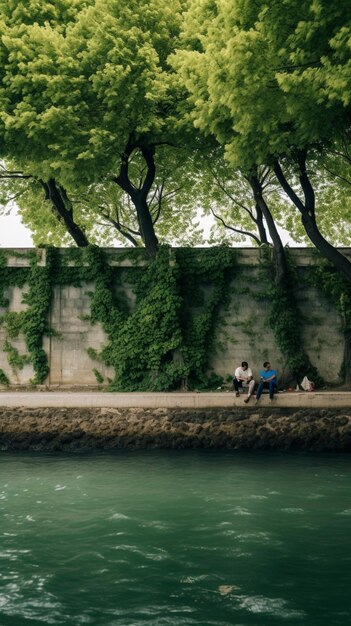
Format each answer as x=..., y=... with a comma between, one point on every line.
x=243, y=378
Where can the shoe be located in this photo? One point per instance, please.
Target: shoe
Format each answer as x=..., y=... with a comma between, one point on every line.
x=247, y=399
x=237, y=394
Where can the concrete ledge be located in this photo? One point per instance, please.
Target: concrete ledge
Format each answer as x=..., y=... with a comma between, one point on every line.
x=175, y=400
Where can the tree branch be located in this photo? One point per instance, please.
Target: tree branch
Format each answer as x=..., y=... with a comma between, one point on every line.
x=287, y=188
x=236, y=230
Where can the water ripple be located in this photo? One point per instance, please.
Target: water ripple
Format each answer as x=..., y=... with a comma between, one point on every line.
x=276, y=607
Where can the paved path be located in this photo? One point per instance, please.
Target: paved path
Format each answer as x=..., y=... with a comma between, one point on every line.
x=189, y=400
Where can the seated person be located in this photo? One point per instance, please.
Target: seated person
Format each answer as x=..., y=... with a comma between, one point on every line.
x=268, y=380
x=243, y=378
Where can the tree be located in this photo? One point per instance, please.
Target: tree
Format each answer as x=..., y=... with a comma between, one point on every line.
x=83, y=96
x=233, y=63
x=273, y=86
x=103, y=212
x=330, y=177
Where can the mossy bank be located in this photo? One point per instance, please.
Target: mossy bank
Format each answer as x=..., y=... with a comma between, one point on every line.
x=55, y=429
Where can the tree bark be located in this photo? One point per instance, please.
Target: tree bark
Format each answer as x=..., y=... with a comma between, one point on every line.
x=145, y=224
x=278, y=248
x=308, y=218
x=347, y=357
x=260, y=225
x=59, y=199
x=139, y=195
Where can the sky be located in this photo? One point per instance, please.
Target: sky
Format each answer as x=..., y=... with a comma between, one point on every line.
x=13, y=234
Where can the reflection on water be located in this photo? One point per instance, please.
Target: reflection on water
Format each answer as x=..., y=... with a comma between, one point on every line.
x=175, y=538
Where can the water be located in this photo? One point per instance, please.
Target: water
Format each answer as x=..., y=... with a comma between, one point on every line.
x=175, y=538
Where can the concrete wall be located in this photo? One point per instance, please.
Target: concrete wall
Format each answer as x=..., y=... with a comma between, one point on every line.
x=242, y=332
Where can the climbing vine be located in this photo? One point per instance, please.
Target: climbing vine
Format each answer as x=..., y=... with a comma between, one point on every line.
x=142, y=343
x=285, y=319
x=164, y=342
x=338, y=291
x=204, y=285
x=32, y=322
x=162, y=335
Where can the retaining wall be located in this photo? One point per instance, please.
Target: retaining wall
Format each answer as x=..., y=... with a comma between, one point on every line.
x=242, y=331
x=67, y=429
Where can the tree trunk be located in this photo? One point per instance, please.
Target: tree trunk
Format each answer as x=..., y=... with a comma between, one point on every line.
x=139, y=196
x=278, y=248
x=57, y=197
x=260, y=225
x=307, y=211
x=325, y=248
x=145, y=224
x=347, y=357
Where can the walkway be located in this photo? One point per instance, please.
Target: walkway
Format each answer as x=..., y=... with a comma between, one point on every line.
x=175, y=400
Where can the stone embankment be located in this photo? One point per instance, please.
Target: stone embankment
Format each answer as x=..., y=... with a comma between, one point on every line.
x=71, y=429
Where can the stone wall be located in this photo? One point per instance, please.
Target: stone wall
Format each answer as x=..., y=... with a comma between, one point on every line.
x=242, y=331
x=54, y=429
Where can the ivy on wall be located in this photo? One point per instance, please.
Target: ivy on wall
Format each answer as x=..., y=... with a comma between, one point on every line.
x=204, y=286
x=32, y=323
x=337, y=290
x=163, y=343
x=285, y=320
x=162, y=338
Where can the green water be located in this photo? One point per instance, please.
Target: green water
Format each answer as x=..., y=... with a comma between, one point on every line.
x=175, y=538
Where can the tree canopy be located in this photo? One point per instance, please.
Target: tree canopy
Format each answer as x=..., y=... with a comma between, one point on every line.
x=93, y=94
x=267, y=77
x=83, y=89
x=270, y=81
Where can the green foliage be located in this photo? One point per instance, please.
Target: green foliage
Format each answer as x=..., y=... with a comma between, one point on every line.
x=10, y=277
x=35, y=318
x=204, y=282
x=32, y=322
x=15, y=359
x=338, y=291
x=285, y=321
x=141, y=344
x=165, y=341
x=118, y=71
x=99, y=377
x=3, y=378
x=336, y=288
x=265, y=81
x=13, y=322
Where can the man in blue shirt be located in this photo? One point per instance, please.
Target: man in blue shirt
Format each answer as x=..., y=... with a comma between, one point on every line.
x=268, y=379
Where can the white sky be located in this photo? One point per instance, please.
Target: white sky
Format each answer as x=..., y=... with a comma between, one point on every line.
x=13, y=234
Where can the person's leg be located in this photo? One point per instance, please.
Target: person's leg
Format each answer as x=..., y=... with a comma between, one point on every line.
x=250, y=388
x=259, y=391
x=237, y=384
x=272, y=388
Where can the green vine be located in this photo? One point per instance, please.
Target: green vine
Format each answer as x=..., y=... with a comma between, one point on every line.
x=338, y=291
x=16, y=360
x=285, y=320
x=4, y=379
x=164, y=342
x=204, y=282
x=160, y=319
x=140, y=344
x=35, y=318
x=32, y=322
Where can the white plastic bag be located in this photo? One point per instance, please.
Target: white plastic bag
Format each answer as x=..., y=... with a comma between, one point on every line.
x=306, y=384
